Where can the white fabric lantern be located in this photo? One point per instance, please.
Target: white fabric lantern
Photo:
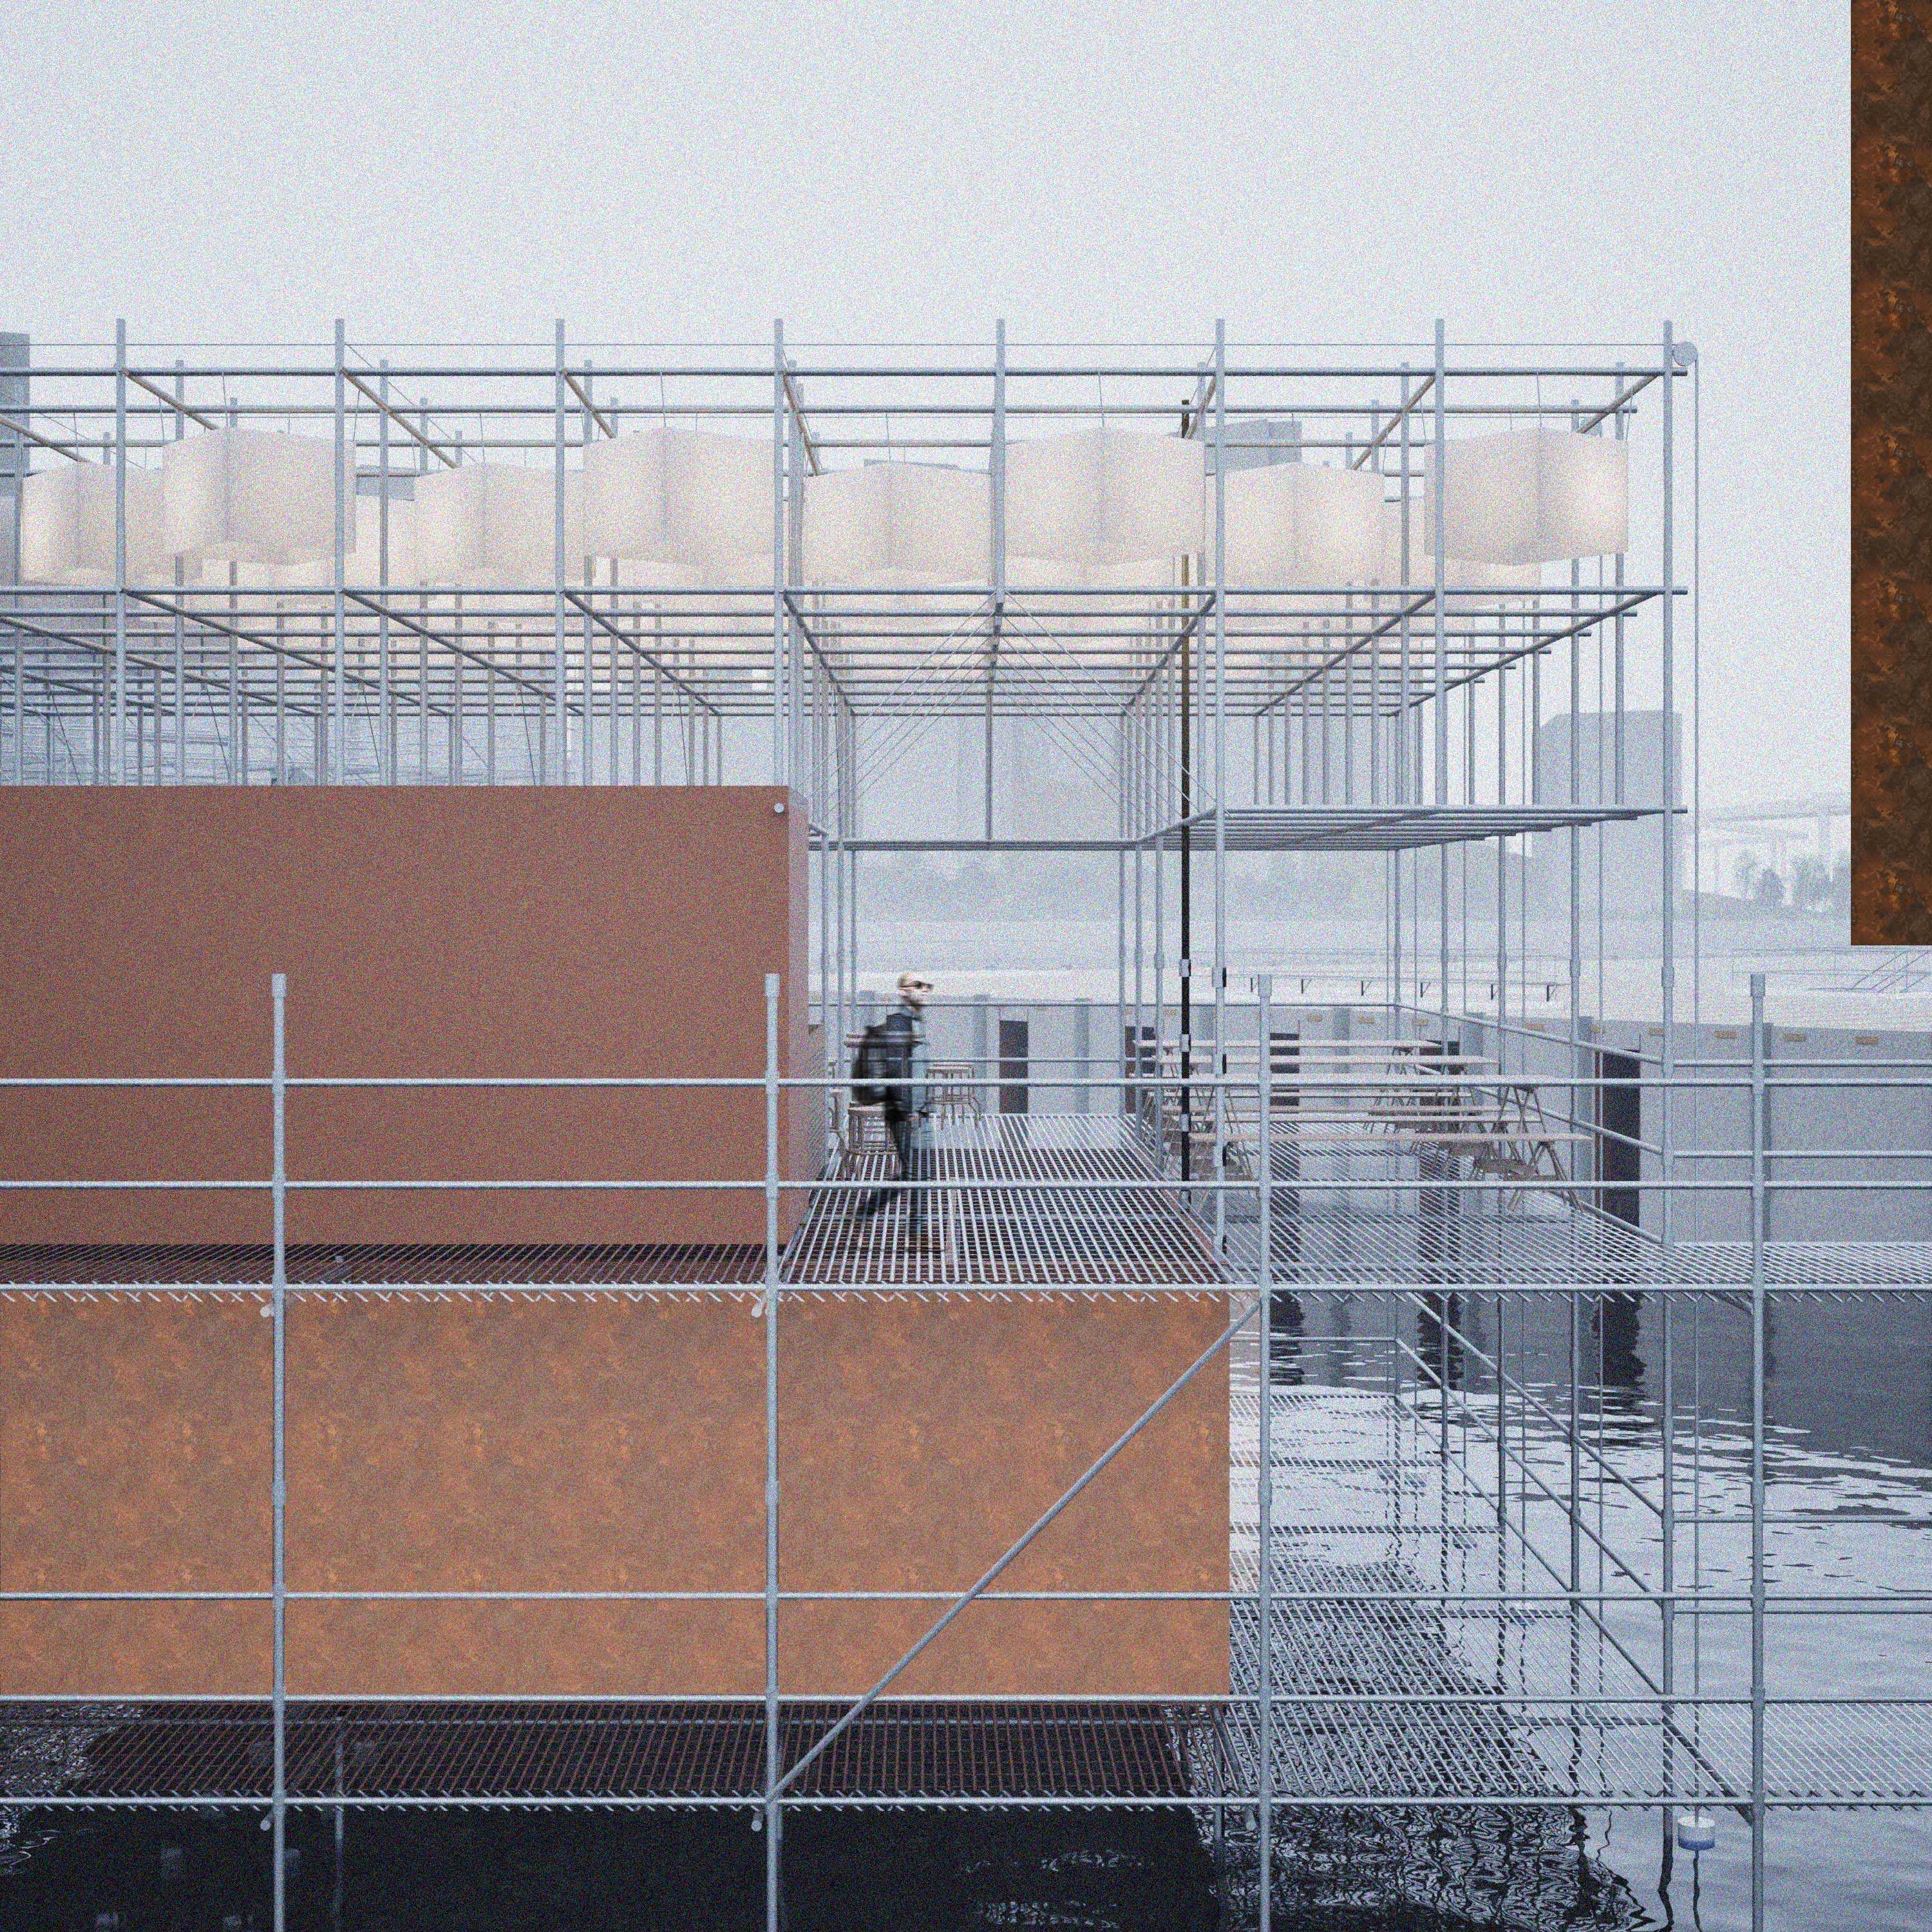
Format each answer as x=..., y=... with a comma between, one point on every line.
x=896, y=519
x=1143, y=573
x=362, y=567
x=248, y=496
x=723, y=600
x=1104, y=495
x=647, y=574
x=678, y=498
x=1533, y=496
x=1303, y=524
x=491, y=523
x=1467, y=576
x=67, y=525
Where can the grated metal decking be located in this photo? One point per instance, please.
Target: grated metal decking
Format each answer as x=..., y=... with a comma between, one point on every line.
x=1417, y=1655
x=1009, y=1210
x=352, y=1264
x=582, y=1753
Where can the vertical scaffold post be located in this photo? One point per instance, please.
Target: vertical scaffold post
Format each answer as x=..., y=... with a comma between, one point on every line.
x=773, y=1771
x=1265, y=1453
x=800, y=682
x=559, y=694
x=1575, y=1432
x=1439, y=577
x=338, y=660
x=781, y=745
x=1667, y=1531
x=1667, y=1534
x=278, y=1493
x=385, y=695
x=1757, y=1352
x=1220, y=556
x=1121, y=1030
x=996, y=477
x=118, y=751
x=1666, y=1135
x=180, y=626
x=1502, y=1435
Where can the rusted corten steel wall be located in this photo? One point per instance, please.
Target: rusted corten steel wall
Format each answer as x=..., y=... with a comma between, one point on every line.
x=608, y=1444
x=1891, y=450
x=469, y=931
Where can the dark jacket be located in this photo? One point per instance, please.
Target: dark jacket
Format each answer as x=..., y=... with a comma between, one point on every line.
x=905, y=1061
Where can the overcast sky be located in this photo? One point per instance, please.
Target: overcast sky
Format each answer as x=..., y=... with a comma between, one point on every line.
x=1307, y=171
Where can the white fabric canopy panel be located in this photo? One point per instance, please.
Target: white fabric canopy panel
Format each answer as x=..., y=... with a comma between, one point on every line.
x=362, y=566
x=494, y=523
x=1303, y=524
x=726, y=601
x=1533, y=496
x=1470, y=579
x=66, y=527
x=248, y=496
x=676, y=503
x=1104, y=497
x=916, y=520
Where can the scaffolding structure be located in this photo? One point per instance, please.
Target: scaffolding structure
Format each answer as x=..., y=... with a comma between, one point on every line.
x=1453, y=1584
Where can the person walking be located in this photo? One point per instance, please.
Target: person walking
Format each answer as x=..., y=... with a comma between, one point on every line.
x=908, y=1102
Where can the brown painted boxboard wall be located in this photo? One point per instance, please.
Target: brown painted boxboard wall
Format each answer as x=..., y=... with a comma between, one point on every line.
x=603, y=1443
x=532, y=931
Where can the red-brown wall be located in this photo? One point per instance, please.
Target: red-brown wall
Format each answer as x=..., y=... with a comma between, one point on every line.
x=606, y=1443
x=477, y=1443
x=425, y=931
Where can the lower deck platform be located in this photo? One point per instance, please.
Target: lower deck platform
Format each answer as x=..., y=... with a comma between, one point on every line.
x=1423, y=1648
x=1054, y=1201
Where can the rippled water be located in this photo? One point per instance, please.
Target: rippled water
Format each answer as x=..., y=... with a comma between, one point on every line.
x=1849, y=1403
x=1851, y=1469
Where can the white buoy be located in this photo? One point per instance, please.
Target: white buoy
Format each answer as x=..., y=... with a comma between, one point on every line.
x=1697, y=1831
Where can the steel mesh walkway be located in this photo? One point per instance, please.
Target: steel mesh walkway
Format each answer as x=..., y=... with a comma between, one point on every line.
x=1414, y=1656
x=352, y=1264
x=1014, y=1215
x=561, y=1752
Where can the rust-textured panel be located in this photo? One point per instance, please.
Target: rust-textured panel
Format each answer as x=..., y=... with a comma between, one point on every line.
x=514, y=1444
x=611, y=1444
x=135, y=1449
x=1891, y=472
x=137, y=1650
x=922, y=1437
x=539, y=932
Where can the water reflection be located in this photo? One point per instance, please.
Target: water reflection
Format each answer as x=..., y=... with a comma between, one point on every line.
x=1441, y=1339
x=1287, y=1319
x=1615, y=1325
x=1341, y=1870
x=1349, y=1869
x=1851, y=1403
x=565, y=1871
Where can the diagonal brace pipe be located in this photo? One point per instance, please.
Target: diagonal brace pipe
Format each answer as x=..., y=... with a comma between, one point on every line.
x=1016, y=1549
